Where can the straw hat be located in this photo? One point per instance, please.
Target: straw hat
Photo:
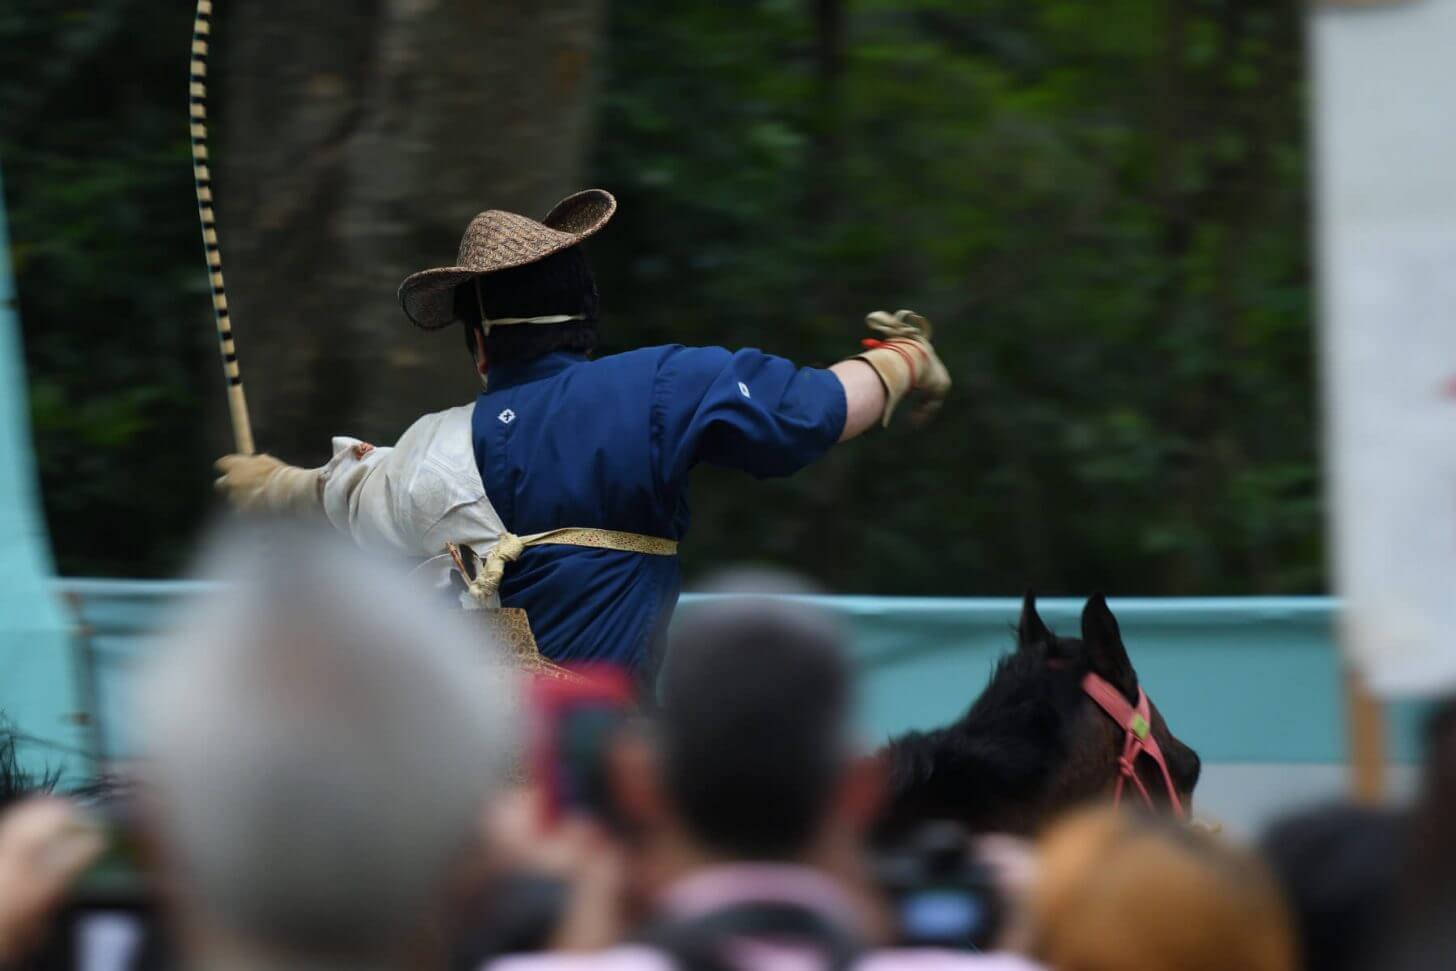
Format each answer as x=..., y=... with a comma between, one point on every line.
x=497, y=240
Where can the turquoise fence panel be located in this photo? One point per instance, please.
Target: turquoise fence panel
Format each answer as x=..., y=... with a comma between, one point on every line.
x=38, y=681
x=119, y=621
x=1242, y=680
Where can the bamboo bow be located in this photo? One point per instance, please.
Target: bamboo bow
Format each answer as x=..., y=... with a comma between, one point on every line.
x=202, y=177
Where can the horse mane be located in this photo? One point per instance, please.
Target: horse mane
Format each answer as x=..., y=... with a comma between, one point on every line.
x=992, y=764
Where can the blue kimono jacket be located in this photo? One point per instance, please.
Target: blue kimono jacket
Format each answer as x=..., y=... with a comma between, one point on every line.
x=563, y=441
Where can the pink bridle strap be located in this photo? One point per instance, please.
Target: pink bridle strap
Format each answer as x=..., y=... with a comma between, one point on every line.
x=1136, y=721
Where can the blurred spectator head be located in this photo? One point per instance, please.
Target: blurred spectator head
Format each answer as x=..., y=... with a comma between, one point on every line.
x=755, y=753
x=1423, y=931
x=562, y=283
x=1339, y=866
x=1118, y=890
x=318, y=743
x=1429, y=880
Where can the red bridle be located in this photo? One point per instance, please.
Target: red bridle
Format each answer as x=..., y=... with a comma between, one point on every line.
x=1137, y=722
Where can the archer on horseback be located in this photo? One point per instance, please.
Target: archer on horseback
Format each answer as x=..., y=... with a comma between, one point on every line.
x=570, y=473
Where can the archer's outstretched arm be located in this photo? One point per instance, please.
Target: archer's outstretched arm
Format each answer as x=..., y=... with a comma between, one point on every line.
x=768, y=416
x=397, y=498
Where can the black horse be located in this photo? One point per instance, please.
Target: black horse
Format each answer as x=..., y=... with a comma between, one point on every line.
x=1033, y=744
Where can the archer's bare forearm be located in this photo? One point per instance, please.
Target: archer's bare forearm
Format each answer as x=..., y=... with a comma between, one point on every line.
x=864, y=396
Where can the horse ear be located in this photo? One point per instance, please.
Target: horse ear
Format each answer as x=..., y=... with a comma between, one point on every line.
x=1030, y=629
x=1106, y=654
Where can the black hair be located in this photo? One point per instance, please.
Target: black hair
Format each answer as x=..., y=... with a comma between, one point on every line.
x=562, y=283
x=754, y=734
x=1339, y=867
x=16, y=783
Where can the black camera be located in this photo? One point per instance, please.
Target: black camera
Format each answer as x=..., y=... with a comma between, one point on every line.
x=112, y=916
x=940, y=894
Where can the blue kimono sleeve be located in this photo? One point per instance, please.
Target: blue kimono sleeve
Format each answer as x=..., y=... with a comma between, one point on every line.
x=743, y=410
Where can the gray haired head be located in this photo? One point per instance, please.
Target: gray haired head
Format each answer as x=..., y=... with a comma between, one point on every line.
x=321, y=738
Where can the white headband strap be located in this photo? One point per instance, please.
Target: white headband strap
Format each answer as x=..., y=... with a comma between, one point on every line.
x=553, y=319
x=487, y=322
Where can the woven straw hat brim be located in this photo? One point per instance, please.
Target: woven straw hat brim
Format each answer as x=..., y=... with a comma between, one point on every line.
x=497, y=240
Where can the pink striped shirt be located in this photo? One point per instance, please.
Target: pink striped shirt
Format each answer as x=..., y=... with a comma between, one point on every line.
x=724, y=886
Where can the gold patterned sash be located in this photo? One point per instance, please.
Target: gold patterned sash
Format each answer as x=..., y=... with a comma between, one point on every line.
x=509, y=627
x=509, y=631
x=509, y=548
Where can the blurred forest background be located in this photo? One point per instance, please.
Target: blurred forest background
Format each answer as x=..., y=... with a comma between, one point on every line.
x=1102, y=206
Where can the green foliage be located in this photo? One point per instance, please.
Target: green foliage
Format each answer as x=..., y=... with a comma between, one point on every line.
x=1101, y=205
x=93, y=139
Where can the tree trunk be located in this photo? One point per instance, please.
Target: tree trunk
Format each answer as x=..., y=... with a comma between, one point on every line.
x=357, y=140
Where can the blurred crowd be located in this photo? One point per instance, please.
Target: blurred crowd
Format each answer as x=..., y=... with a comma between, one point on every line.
x=334, y=772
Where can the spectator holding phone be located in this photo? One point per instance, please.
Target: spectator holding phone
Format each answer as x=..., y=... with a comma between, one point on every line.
x=748, y=800
x=45, y=843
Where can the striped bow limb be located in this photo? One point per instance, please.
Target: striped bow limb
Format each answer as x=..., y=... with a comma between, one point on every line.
x=202, y=177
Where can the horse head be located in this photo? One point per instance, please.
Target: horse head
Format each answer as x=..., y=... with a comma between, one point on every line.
x=1035, y=742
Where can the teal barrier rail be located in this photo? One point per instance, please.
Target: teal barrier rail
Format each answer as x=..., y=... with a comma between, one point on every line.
x=1243, y=680
x=115, y=623
x=37, y=679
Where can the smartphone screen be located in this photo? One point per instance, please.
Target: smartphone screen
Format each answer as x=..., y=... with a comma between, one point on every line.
x=97, y=935
x=576, y=723
x=111, y=921
x=585, y=732
x=950, y=916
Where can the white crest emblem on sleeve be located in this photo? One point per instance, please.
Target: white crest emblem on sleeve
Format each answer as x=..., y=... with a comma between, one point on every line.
x=743, y=390
x=506, y=417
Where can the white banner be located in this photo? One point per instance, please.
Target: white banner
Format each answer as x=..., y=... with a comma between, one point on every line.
x=1385, y=165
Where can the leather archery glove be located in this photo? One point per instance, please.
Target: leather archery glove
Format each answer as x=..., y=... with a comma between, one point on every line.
x=905, y=361
x=263, y=483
